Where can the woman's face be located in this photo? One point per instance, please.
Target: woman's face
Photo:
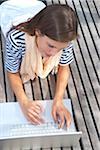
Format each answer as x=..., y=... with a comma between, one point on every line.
x=47, y=46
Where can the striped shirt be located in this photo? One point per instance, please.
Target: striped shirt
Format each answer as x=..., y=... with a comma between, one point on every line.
x=15, y=51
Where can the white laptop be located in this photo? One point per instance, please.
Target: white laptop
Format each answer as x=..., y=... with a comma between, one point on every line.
x=16, y=131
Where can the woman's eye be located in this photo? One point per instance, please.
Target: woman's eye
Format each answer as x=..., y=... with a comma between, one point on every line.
x=51, y=46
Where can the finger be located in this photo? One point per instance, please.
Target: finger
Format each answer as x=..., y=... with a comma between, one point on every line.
x=54, y=115
x=39, y=106
x=68, y=119
x=69, y=122
x=62, y=121
x=34, y=120
x=36, y=110
x=36, y=116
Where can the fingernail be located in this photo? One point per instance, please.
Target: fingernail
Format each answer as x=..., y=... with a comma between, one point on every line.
x=59, y=126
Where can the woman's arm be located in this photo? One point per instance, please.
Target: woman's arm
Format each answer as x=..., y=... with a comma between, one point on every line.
x=62, y=81
x=31, y=109
x=59, y=111
x=17, y=87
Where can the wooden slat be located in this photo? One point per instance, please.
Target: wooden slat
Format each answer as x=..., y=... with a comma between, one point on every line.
x=2, y=87
x=88, y=79
x=49, y=2
x=37, y=90
x=51, y=82
x=77, y=147
x=92, y=76
x=56, y=148
x=89, y=68
x=45, y=88
x=67, y=148
x=96, y=48
x=78, y=112
x=9, y=93
x=95, y=18
x=28, y=90
x=88, y=103
x=52, y=87
x=89, y=95
x=36, y=148
x=56, y=1
x=89, y=31
x=62, y=1
x=97, y=6
x=46, y=149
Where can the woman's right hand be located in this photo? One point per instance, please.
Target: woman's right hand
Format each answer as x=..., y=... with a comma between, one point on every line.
x=32, y=111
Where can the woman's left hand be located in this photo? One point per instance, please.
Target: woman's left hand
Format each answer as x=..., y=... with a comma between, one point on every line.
x=60, y=114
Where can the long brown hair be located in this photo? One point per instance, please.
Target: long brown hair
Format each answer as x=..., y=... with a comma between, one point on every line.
x=57, y=21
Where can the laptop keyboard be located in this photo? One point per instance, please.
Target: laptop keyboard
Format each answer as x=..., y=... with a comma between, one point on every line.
x=25, y=130
x=47, y=128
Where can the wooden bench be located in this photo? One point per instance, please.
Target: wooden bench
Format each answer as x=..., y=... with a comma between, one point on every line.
x=84, y=84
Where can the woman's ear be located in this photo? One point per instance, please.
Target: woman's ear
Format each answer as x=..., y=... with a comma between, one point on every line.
x=38, y=32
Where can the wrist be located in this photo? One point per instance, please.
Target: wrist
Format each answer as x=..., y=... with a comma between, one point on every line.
x=58, y=99
x=23, y=100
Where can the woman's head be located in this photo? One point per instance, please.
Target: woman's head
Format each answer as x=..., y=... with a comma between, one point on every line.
x=58, y=22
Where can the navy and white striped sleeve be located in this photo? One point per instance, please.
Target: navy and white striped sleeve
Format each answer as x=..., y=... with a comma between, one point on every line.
x=67, y=55
x=13, y=54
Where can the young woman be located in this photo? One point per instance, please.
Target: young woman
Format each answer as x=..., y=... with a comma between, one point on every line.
x=35, y=48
